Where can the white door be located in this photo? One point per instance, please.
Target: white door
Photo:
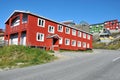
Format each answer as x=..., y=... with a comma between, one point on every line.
x=23, y=39
x=14, y=39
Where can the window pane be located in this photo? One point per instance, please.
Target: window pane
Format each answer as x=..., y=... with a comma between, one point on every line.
x=41, y=22
x=40, y=37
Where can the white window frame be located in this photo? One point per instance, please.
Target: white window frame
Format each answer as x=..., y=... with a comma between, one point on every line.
x=79, y=44
x=15, y=21
x=52, y=27
x=88, y=45
x=84, y=35
x=79, y=33
x=88, y=36
x=73, y=43
x=60, y=40
x=73, y=32
x=42, y=21
x=41, y=39
x=66, y=30
x=68, y=41
x=60, y=27
x=84, y=44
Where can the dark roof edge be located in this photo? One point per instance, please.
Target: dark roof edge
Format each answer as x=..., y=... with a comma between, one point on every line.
x=96, y=24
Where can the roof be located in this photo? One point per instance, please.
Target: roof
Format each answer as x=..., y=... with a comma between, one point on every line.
x=1, y=31
x=96, y=24
x=111, y=20
x=53, y=36
x=28, y=12
x=1, y=34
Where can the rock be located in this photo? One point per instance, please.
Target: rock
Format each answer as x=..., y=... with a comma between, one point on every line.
x=7, y=68
x=1, y=70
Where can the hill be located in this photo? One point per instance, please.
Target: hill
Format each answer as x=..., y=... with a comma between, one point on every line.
x=19, y=56
x=113, y=45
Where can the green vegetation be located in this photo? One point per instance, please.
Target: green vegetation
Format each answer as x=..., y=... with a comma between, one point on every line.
x=19, y=56
x=86, y=51
x=113, y=46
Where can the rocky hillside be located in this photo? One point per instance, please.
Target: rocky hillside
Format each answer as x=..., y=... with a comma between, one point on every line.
x=114, y=44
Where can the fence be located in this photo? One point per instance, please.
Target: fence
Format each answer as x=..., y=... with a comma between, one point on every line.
x=3, y=43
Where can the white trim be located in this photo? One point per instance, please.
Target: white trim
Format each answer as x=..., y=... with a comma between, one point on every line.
x=79, y=34
x=43, y=22
x=53, y=29
x=73, y=42
x=73, y=32
x=88, y=45
x=66, y=30
x=58, y=28
x=60, y=40
x=84, y=44
x=84, y=35
x=88, y=37
x=15, y=21
x=68, y=41
x=42, y=39
x=79, y=44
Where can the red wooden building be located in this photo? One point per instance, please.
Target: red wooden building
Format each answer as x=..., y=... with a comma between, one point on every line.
x=25, y=28
x=112, y=25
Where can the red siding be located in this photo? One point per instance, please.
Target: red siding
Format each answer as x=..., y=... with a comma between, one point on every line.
x=112, y=25
x=32, y=28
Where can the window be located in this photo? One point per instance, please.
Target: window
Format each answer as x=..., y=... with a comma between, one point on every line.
x=74, y=32
x=16, y=21
x=73, y=42
x=41, y=22
x=88, y=45
x=67, y=41
x=97, y=26
x=79, y=34
x=88, y=36
x=51, y=29
x=84, y=35
x=40, y=37
x=79, y=44
x=60, y=40
x=90, y=26
x=60, y=28
x=67, y=30
x=84, y=45
x=25, y=18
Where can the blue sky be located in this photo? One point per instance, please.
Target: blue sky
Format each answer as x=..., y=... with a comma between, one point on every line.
x=91, y=11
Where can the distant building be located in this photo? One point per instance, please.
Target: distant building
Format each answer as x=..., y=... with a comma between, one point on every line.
x=1, y=35
x=105, y=36
x=83, y=26
x=111, y=25
x=25, y=28
x=96, y=28
x=2, y=41
x=68, y=22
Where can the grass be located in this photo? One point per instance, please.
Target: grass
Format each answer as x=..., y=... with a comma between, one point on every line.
x=86, y=51
x=113, y=46
x=23, y=56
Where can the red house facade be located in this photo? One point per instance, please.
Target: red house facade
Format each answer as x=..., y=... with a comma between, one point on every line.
x=112, y=25
x=25, y=28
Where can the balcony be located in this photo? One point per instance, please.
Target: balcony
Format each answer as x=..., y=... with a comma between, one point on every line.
x=18, y=28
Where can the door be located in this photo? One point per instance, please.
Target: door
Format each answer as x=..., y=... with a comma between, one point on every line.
x=14, y=39
x=23, y=39
x=55, y=44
